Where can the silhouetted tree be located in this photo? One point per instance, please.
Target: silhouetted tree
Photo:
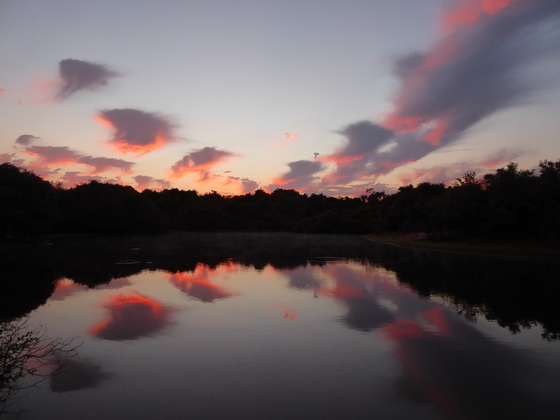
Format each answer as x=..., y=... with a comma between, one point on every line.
x=28, y=352
x=507, y=204
x=28, y=204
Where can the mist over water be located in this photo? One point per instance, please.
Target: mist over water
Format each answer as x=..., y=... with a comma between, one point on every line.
x=288, y=326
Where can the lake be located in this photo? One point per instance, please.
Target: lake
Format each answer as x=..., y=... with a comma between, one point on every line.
x=277, y=326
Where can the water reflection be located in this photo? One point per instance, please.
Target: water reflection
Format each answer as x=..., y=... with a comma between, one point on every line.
x=28, y=356
x=362, y=326
x=444, y=361
x=287, y=311
x=300, y=278
x=497, y=289
x=77, y=374
x=451, y=365
x=131, y=317
x=198, y=285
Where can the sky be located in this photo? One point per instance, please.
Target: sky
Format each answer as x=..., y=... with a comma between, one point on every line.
x=320, y=96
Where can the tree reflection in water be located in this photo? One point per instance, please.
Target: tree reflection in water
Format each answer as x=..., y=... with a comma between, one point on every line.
x=440, y=362
x=28, y=356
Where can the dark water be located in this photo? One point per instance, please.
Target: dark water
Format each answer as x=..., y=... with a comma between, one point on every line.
x=287, y=326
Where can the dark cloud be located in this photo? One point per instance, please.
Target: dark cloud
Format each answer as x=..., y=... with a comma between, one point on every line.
x=63, y=155
x=53, y=154
x=137, y=131
x=200, y=161
x=358, y=157
x=476, y=70
x=79, y=75
x=405, y=148
x=26, y=139
x=77, y=374
x=301, y=174
x=479, y=67
x=363, y=138
x=303, y=278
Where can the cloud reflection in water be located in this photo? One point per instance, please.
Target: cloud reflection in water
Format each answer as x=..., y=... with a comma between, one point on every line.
x=77, y=374
x=198, y=284
x=131, y=317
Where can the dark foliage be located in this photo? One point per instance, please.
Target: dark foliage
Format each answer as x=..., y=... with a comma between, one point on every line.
x=507, y=204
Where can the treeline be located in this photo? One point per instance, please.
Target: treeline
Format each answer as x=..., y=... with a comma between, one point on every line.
x=507, y=204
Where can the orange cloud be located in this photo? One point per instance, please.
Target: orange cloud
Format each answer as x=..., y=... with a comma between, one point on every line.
x=199, y=161
x=198, y=285
x=131, y=317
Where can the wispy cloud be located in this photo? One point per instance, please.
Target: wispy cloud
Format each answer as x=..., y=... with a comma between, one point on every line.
x=103, y=164
x=450, y=172
x=49, y=155
x=63, y=155
x=477, y=68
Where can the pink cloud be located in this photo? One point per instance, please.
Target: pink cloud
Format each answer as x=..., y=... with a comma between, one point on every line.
x=199, y=161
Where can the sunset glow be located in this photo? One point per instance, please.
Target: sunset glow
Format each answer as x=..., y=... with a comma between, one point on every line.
x=206, y=107
x=469, y=11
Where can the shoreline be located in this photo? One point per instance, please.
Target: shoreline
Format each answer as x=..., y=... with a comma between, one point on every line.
x=503, y=249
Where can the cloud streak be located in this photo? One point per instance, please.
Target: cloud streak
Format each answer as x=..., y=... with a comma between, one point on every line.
x=478, y=67
x=476, y=70
x=63, y=155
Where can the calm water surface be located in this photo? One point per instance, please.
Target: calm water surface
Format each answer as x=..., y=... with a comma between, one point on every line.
x=258, y=333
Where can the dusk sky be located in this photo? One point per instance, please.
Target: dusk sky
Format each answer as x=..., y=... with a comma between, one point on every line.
x=329, y=96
